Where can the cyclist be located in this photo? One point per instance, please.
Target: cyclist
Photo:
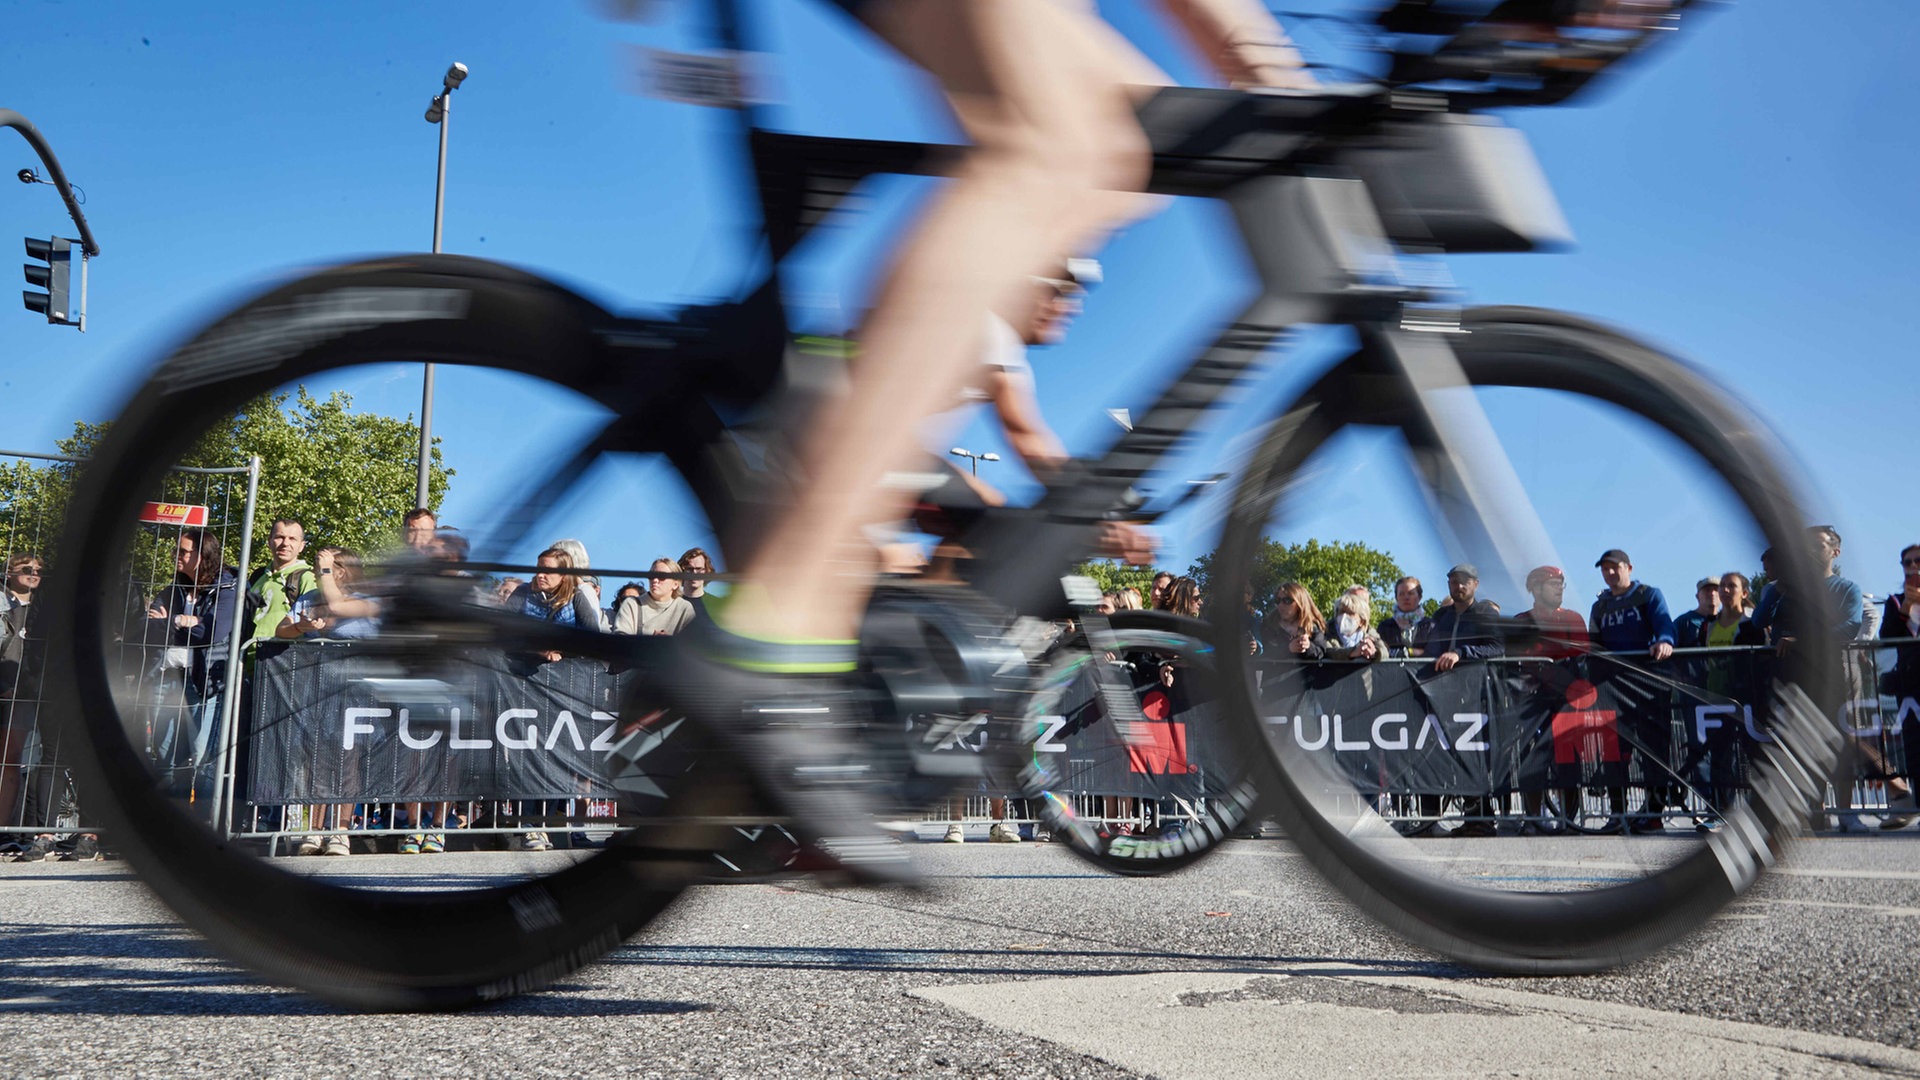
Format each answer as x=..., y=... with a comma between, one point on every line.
x=1046, y=93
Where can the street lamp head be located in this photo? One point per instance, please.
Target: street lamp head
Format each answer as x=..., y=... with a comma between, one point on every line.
x=456, y=75
x=959, y=451
x=436, y=110
x=989, y=456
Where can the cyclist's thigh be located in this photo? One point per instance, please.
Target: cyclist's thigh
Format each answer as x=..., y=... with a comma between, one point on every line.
x=1028, y=76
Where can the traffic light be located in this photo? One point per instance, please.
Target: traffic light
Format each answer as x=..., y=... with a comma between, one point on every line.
x=57, y=254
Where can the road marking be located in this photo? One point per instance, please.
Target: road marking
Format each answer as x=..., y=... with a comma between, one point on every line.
x=1316, y=1020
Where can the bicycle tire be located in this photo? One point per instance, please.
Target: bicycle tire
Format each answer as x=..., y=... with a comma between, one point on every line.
x=1221, y=812
x=1496, y=928
x=367, y=948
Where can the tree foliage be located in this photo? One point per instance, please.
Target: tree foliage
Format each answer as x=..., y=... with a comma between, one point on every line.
x=1113, y=576
x=348, y=476
x=1325, y=570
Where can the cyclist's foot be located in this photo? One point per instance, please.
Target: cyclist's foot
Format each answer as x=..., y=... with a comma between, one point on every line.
x=792, y=714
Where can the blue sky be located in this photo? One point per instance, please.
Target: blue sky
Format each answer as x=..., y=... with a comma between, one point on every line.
x=1743, y=198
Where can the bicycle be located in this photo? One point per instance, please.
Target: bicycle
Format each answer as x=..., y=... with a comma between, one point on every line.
x=1326, y=189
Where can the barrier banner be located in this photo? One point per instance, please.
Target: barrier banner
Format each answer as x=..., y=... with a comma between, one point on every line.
x=327, y=725
x=1170, y=751
x=1497, y=728
x=330, y=726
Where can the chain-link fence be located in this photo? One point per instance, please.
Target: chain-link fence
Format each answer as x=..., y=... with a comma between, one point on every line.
x=174, y=636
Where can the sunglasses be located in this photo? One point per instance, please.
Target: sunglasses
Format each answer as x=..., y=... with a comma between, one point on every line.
x=1910, y=562
x=1287, y=600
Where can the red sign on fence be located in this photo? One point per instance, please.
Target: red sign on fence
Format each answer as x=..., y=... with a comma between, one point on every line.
x=180, y=514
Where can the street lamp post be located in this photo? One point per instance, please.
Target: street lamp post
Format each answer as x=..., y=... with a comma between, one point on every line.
x=438, y=112
x=975, y=459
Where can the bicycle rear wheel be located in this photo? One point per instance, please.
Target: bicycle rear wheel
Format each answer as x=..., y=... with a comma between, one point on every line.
x=159, y=750
x=1167, y=766
x=1486, y=753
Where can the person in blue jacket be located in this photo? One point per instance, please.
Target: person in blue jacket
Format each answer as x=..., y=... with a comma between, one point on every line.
x=1630, y=619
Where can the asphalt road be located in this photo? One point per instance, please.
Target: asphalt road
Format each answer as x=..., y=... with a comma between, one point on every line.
x=1019, y=962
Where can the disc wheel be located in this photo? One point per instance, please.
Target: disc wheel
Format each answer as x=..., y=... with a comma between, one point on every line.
x=1483, y=885
x=488, y=923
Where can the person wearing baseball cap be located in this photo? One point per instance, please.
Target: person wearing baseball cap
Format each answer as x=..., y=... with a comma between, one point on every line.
x=1467, y=629
x=1630, y=621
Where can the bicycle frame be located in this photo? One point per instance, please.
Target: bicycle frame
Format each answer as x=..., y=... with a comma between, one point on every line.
x=1325, y=189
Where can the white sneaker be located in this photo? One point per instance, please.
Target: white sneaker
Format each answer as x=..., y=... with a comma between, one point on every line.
x=307, y=845
x=956, y=835
x=336, y=845
x=536, y=841
x=1003, y=833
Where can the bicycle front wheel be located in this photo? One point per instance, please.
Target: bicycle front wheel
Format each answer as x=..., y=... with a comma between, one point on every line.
x=1527, y=795
x=487, y=756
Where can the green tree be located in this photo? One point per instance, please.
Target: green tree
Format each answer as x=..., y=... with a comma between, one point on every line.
x=33, y=499
x=348, y=476
x=1324, y=569
x=1113, y=576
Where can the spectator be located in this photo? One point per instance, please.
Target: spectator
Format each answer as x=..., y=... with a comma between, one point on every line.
x=192, y=621
x=1713, y=762
x=1127, y=599
x=1767, y=606
x=21, y=653
x=504, y=589
x=1398, y=630
x=312, y=617
x=561, y=598
x=1631, y=617
x=273, y=588
x=1183, y=597
x=1731, y=625
x=1837, y=606
x=631, y=589
x=1557, y=634
x=1562, y=633
x=1157, y=592
x=334, y=608
x=555, y=595
x=662, y=611
x=1843, y=612
x=418, y=527
x=1691, y=626
x=1109, y=603
x=449, y=545
x=1900, y=622
x=1466, y=628
x=1294, y=626
x=698, y=563
x=1350, y=634
x=584, y=583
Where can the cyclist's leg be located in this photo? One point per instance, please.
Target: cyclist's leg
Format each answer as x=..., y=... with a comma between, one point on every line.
x=1043, y=93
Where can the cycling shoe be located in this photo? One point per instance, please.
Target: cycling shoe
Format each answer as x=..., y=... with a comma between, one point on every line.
x=796, y=733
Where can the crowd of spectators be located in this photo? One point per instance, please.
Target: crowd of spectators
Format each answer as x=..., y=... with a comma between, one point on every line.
x=187, y=620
